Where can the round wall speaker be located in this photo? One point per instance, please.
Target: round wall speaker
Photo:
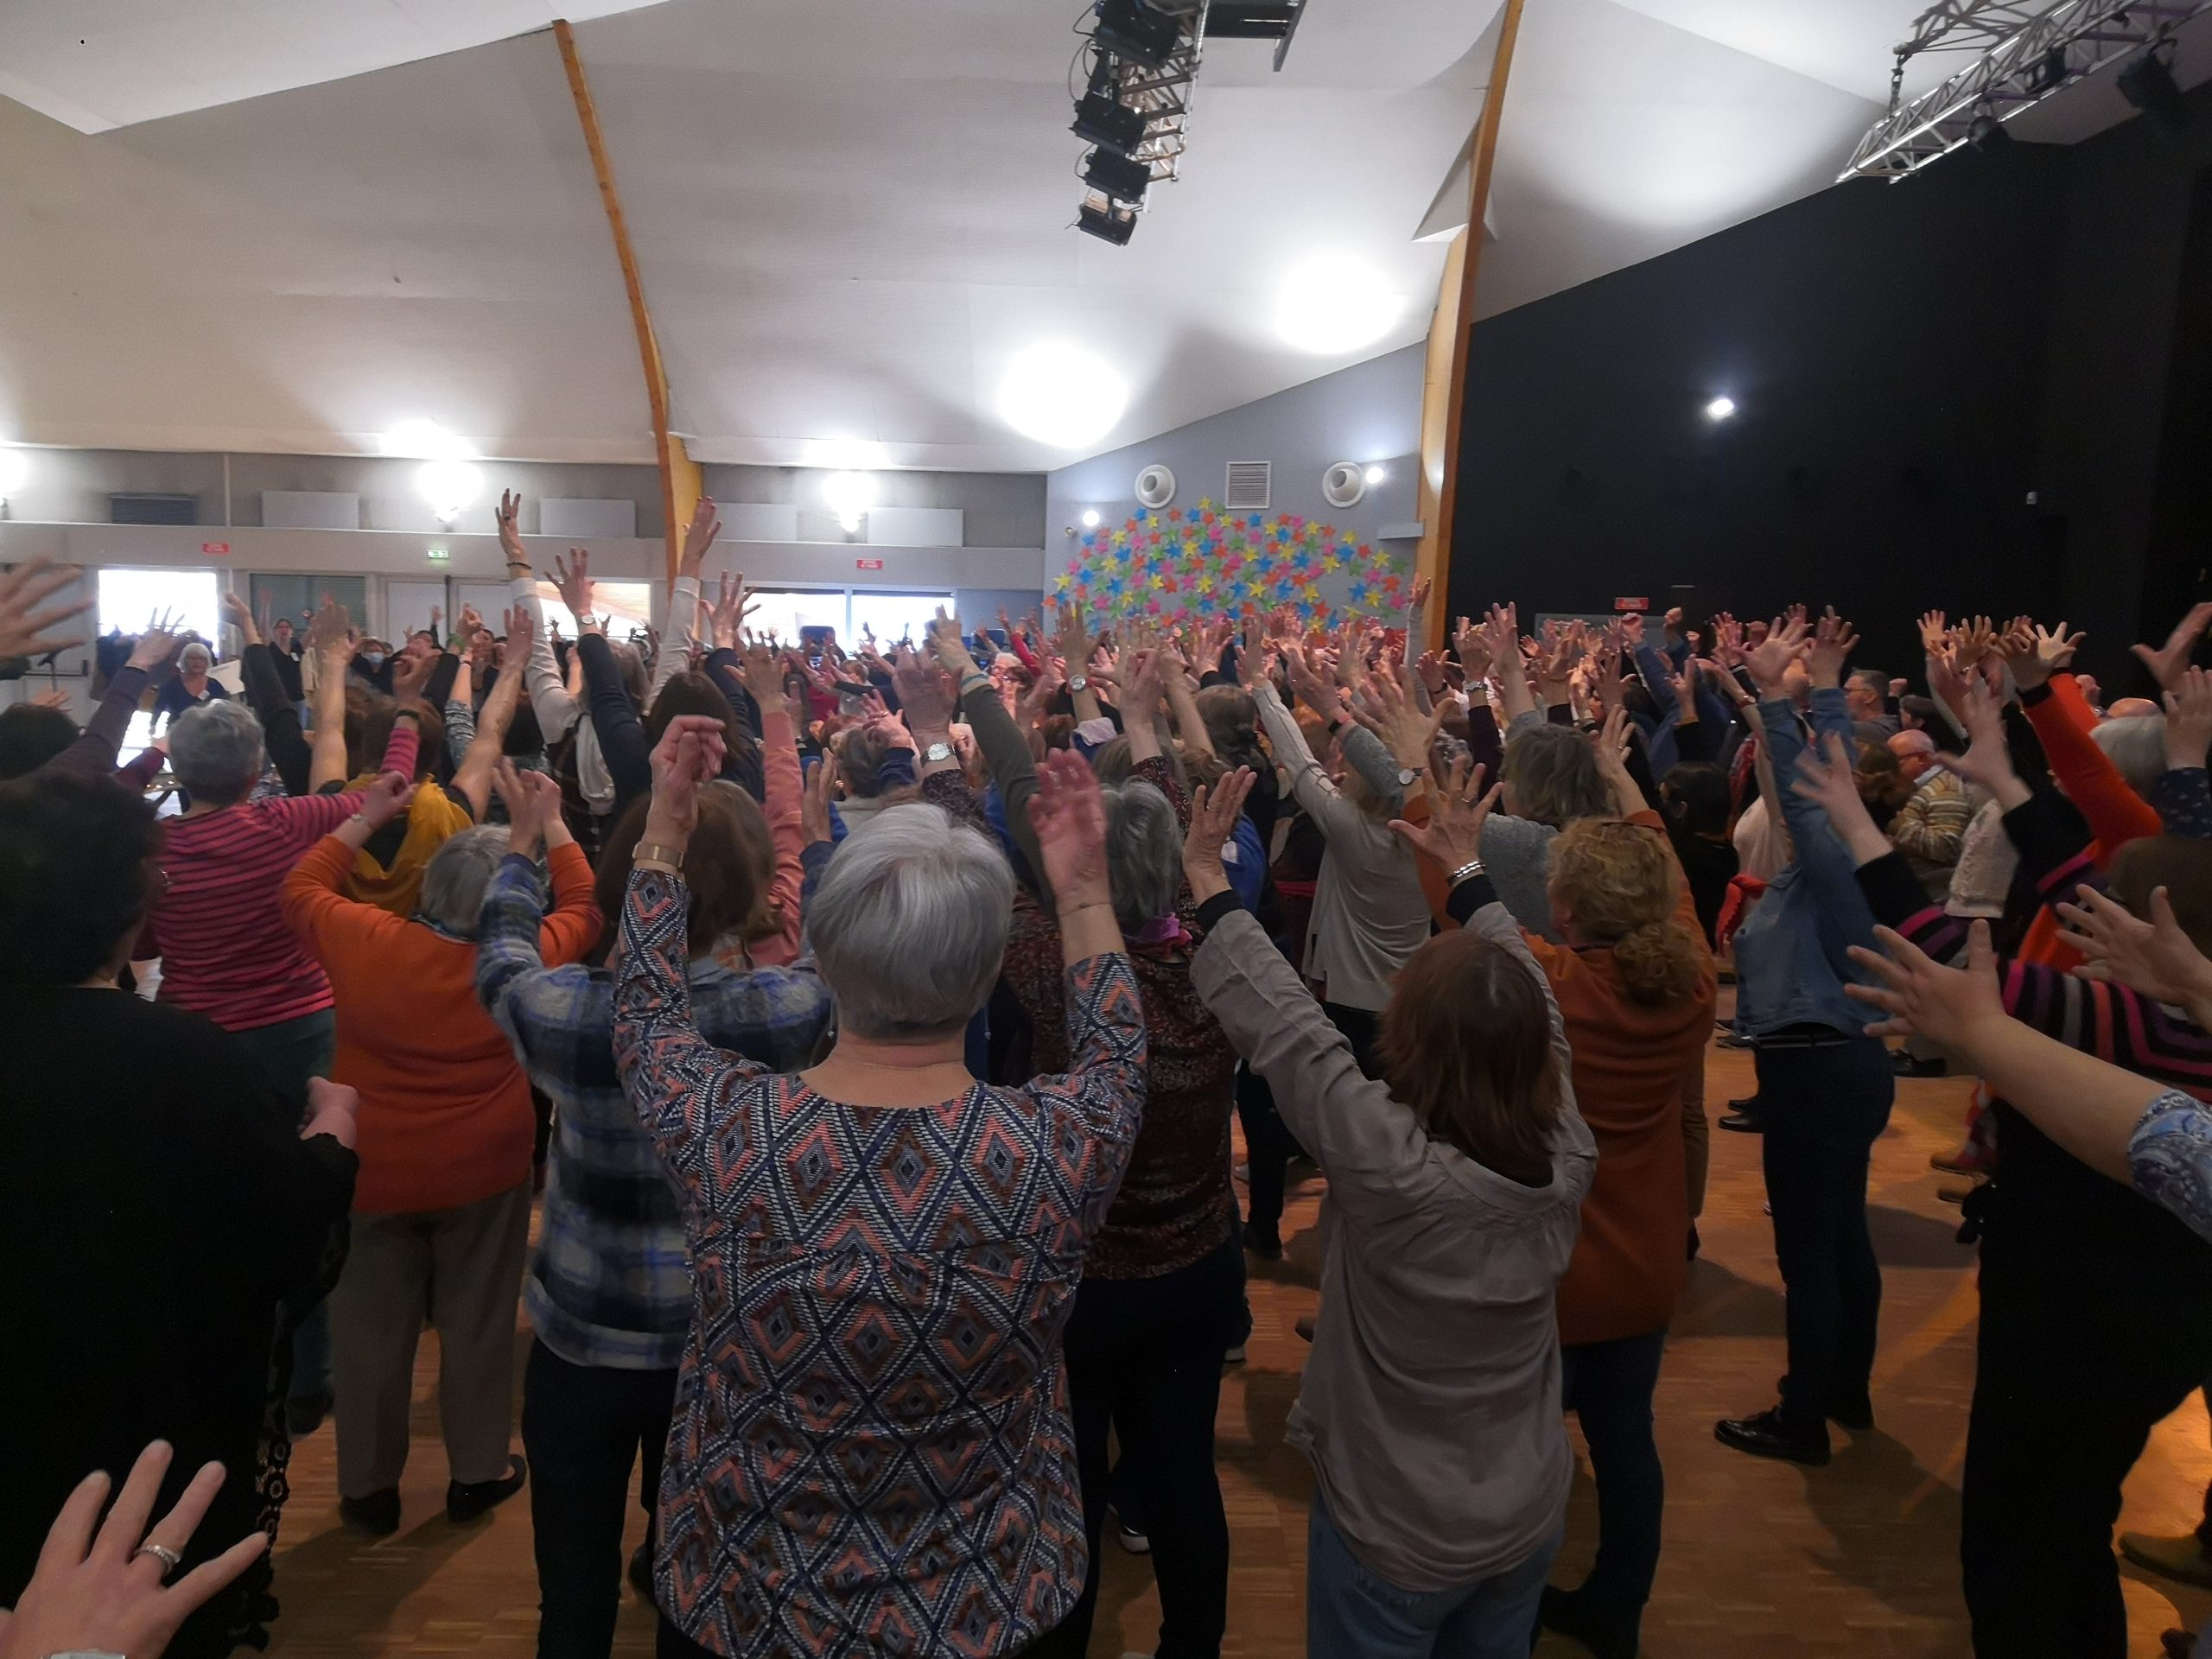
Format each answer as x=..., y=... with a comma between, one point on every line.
x=1155, y=486
x=1344, y=485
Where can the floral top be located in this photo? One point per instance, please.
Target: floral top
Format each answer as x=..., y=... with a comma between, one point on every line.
x=871, y=1452
x=2171, y=1156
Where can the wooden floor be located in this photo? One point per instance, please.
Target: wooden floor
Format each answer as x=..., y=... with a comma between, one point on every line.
x=1762, y=1559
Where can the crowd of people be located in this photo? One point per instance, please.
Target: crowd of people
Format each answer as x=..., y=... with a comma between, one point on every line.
x=867, y=1027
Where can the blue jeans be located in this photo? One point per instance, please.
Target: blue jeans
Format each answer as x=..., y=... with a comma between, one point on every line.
x=1352, y=1614
x=1608, y=1386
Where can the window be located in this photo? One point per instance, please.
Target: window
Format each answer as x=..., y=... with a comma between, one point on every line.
x=128, y=598
x=784, y=611
x=894, y=617
x=627, y=607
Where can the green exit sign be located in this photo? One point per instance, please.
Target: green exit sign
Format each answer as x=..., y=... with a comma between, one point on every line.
x=439, y=554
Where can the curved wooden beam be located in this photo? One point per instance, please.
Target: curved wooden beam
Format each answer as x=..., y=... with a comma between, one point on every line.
x=1444, y=393
x=680, y=481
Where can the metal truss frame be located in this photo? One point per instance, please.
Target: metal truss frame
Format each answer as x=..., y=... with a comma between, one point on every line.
x=1163, y=94
x=2034, y=50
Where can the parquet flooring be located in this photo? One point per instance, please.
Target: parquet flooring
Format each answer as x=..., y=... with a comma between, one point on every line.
x=1762, y=1559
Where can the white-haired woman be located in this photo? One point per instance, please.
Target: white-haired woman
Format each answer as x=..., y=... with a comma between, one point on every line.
x=192, y=688
x=442, y=1207
x=869, y=1453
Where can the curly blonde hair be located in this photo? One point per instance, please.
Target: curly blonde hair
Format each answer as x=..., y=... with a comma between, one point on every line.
x=1619, y=884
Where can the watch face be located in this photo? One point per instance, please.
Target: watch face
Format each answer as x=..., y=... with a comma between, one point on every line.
x=939, y=751
x=1080, y=683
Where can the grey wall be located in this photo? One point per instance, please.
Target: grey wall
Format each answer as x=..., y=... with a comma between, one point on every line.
x=1368, y=413
x=1002, y=509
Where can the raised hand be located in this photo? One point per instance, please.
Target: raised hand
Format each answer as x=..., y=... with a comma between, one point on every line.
x=1948, y=1006
x=157, y=643
x=533, y=802
x=699, y=536
x=688, y=756
x=1213, y=819
x=1976, y=641
x=26, y=630
x=1935, y=636
x=574, y=579
x=507, y=516
x=1069, y=818
x=1833, y=644
x=763, y=675
x=2164, y=664
x=731, y=607
x=105, y=1593
x=331, y=632
x=241, y=615
x=388, y=795
x=1391, y=715
x=1989, y=758
x=2188, y=719
x=1454, y=834
x=1471, y=649
x=1787, y=641
x=2155, y=956
x=814, y=807
x=1727, y=639
x=950, y=649
x=923, y=692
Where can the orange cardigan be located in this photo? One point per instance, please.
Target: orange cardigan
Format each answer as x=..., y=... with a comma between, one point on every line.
x=445, y=1109
x=1632, y=1070
x=2116, y=814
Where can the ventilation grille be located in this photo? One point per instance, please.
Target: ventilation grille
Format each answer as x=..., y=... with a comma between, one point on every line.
x=1248, y=486
x=138, y=507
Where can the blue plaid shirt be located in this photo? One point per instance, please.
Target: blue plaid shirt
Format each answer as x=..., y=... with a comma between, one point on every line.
x=610, y=1284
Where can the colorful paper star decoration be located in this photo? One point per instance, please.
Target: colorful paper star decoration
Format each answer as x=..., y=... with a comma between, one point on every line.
x=1184, y=568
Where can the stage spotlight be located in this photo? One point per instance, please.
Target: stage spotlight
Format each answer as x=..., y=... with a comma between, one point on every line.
x=2050, y=74
x=1101, y=118
x=1720, y=409
x=1986, y=134
x=1116, y=226
x=1132, y=29
x=1118, y=177
x=2148, y=83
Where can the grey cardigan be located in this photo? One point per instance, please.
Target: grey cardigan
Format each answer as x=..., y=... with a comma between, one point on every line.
x=1430, y=1406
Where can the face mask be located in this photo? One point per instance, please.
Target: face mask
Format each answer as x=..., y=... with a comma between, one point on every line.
x=373, y=659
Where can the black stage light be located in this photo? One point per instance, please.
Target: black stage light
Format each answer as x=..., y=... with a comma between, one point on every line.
x=1099, y=120
x=1116, y=226
x=2050, y=74
x=1986, y=134
x=1118, y=177
x=2148, y=83
x=1132, y=29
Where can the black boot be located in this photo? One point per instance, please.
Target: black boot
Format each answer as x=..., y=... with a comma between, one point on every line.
x=465, y=1502
x=1768, y=1436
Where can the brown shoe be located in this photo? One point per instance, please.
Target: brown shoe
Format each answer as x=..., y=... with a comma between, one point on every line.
x=2181, y=1558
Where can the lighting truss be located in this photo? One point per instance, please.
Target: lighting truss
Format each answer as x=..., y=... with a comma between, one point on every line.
x=1162, y=95
x=2030, y=52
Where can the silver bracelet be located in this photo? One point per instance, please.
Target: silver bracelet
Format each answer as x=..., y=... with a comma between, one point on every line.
x=1466, y=872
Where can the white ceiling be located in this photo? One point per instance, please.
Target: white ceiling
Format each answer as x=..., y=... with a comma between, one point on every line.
x=851, y=214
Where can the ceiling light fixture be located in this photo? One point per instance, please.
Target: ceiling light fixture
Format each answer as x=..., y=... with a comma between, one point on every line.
x=451, y=487
x=849, y=495
x=1333, y=304
x=1134, y=108
x=1376, y=475
x=1063, y=395
x=1118, y=177
x=1985, y=133
x=1133, y=30
x=15, y=471
x=1090, y=518
x=1108, y=224
x=1720, y=409
x=422, y=440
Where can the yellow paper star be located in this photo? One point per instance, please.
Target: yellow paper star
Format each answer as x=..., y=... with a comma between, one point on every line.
x=1205, y=503
x=1120, y=538
x=1160, y=582
x=1152, y=522
x=1205, y=584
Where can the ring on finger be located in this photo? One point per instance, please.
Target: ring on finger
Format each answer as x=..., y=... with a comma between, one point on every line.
x=169, y=1558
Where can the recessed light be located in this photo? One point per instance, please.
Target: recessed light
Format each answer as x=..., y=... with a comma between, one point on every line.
x=1063, y=395
x=15, y=469
x=1090, y=518
x=849, y=495
x=450, y=486
x=1333, y=304
x=1720, y=409
x=1377, y=474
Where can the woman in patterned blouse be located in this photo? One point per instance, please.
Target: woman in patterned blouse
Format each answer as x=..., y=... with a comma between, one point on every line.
x=871, y=1452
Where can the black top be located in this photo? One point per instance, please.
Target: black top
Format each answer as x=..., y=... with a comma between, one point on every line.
x=156, y=1202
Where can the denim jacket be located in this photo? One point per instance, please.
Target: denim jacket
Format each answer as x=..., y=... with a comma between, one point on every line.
x=1790, y=965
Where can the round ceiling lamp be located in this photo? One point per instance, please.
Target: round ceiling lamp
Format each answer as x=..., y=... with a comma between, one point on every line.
x=849, y=495
x=1063, y=395
x=1333, y=304
x=15, y=470
x=451, y=487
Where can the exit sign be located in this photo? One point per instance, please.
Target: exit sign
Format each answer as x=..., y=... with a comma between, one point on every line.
x=438, y=554
x=1631, y=604
x=867, y=564
x=214, y=547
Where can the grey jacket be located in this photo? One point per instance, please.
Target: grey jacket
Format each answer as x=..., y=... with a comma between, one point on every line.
x=1430, y=1406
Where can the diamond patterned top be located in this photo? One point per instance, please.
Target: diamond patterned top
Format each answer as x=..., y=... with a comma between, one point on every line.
x=871, y=1451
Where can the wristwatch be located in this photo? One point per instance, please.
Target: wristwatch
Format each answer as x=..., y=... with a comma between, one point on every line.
x=1078, y=682
x=1407, y=777
x=937, y=752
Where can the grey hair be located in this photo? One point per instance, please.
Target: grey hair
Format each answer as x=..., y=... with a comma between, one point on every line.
x=909, y=924
x=215, y=752
x=194, y=646
x=1144, y=852
x=459, y=871
x=2137, y=745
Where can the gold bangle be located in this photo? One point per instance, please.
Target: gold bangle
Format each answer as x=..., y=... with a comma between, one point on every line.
x=650, y=855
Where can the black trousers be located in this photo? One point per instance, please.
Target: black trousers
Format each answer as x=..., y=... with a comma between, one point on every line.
x=1823, y=1107
x=1361, y=1027
x=1269, y=1148
x=2078, y=1356
x=1145, y=1356
x=583, y=1428
x=1608, y=1386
